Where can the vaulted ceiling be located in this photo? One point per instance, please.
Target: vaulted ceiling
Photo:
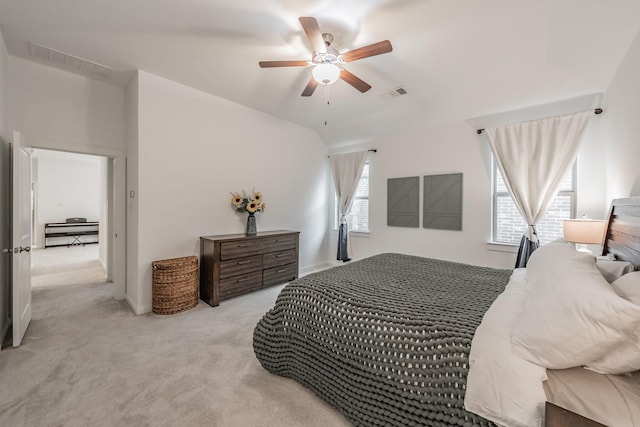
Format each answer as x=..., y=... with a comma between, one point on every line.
x=455, y=59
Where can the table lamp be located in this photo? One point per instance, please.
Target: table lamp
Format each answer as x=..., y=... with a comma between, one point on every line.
x=584, y=232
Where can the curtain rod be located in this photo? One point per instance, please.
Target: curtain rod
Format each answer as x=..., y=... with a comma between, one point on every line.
x=596, y=111
x=373, y=150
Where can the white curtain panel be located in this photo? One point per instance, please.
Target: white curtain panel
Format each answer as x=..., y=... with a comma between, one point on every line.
x=346, y=170
x=533, y=157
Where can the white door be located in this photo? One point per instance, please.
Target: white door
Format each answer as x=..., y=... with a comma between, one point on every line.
x=21, y=240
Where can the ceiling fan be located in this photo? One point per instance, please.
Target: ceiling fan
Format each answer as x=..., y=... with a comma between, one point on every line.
x=327, y=61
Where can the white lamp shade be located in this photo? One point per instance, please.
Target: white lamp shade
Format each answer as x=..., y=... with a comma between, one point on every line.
x=584, y=231
x=326, y=74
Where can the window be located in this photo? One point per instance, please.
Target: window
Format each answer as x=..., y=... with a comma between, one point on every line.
x=358, y=218
x=508, y=224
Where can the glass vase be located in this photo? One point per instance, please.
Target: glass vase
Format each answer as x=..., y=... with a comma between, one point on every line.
x=251, y=225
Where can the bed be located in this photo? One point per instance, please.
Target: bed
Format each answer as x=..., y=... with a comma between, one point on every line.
x=400, y=340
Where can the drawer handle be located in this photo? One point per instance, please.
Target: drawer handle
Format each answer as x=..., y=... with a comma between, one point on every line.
x=242, y=280
x=280, y=255
x=282, y=271
x=243, y=262
x=243, y=246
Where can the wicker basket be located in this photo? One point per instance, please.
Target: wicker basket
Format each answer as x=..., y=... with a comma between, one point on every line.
x=175, y=285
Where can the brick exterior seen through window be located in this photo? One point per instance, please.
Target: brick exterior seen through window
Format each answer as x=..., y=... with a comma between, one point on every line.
x=509, y=224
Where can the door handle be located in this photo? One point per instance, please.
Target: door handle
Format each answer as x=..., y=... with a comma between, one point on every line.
x=16, y=250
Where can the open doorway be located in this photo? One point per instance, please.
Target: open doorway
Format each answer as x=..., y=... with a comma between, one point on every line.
x=70, y=221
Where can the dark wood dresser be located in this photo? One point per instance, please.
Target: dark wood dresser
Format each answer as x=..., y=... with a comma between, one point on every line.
x=234, y=264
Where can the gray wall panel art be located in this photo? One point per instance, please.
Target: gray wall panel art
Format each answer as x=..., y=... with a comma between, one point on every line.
x=442, y=202
x=403, y=202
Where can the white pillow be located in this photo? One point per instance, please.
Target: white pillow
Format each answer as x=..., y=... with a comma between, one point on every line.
x=628, y=286
x=572, y=316
x=625, y=357
x=536, y=264
x=612, y=269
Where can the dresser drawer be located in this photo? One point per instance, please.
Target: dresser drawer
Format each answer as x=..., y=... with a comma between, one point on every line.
x=275, y=259
x=240, y=249
x=279, y=243
x=238, y=285
x=272, y=276
x=236, y=266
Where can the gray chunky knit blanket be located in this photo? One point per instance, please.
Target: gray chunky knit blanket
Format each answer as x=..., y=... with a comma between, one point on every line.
x=385, y=340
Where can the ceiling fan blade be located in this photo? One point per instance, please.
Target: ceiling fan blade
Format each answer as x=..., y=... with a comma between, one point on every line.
x=270, y=64
x=366, y=51
x=354, y=81
x=312, y=29
x=311, y=87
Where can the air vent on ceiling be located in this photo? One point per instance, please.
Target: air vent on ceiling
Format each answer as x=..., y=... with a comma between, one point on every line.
x=399, y=91
x=68, y=62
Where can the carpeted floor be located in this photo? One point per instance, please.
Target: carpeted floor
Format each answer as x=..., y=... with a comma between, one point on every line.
x=63, y=266
x=87, y=360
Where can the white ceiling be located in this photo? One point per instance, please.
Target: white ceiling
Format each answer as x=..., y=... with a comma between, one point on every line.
x=457, y=59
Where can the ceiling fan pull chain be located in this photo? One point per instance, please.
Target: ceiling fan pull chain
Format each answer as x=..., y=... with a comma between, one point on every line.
x=326, y=110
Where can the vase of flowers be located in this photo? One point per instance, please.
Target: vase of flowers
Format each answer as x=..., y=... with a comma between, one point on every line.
x=251, y=205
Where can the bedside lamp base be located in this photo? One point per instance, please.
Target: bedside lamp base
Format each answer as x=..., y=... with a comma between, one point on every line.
x=583, y=248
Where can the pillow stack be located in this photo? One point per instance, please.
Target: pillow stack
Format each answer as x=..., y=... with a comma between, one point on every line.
x=574, y=317
x=626, y=356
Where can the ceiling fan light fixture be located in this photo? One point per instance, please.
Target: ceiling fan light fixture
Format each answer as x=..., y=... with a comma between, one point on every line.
x=326, y=74
x=327, y=61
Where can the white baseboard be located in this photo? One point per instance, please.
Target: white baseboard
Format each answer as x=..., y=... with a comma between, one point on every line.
x=313, y=268
x=137, y=310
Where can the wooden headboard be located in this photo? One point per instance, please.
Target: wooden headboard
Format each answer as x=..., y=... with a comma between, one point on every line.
x=622, y=238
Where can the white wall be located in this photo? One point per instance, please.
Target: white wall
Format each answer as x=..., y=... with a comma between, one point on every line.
x=63, y=111
x=623, y=127
x=454, y=148
x=57, y=109
x=68, y=185
x=423, y=151
x=193, y=150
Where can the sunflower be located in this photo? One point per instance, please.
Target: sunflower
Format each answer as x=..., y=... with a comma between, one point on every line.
x=236, y=200
x=263, y=206
x=253, y=206
x=256, y=197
